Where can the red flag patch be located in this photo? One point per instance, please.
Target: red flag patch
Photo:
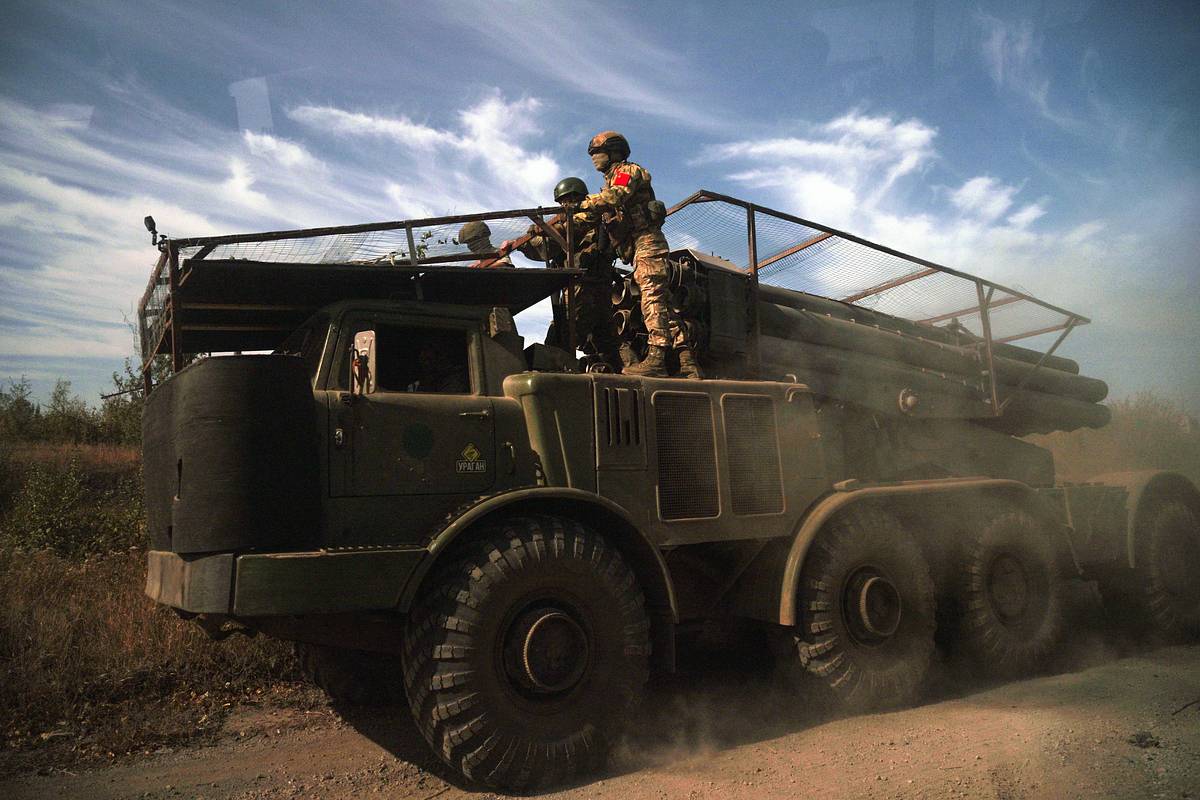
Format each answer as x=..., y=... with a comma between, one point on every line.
x=622, y=179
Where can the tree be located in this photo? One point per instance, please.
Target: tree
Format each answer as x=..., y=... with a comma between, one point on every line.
x=20, y=418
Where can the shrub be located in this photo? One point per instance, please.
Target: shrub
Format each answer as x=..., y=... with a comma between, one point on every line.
x=56, y=509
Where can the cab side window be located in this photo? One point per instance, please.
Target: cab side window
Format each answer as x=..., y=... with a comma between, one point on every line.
x=425, y=360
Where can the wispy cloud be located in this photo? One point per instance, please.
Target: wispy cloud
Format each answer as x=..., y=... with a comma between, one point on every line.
x=595, y=51
x=75, y=256
x=836, y=171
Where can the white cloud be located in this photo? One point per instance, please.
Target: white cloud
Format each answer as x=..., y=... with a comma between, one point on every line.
x=441, y=167
x=839, y=169
x=984, y=198
x=352, y=123
x=284, y=153
x=1027, y=215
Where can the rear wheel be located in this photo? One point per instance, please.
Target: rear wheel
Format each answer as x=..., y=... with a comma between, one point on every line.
x=526, y=655
x=1009, y=597
x=867, y=606
x=1162, y=594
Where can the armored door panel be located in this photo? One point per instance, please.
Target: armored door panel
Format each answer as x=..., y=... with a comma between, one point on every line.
x=401, y=443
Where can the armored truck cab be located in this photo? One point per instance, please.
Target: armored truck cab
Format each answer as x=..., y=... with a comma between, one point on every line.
x=510, y=540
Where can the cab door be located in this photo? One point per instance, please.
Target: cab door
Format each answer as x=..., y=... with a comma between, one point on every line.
x=420, y=425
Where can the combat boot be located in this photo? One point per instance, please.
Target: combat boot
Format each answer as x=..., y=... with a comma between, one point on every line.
x=688, y=368
x=652, y=366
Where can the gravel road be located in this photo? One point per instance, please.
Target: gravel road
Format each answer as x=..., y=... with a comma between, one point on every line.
x=1107, y=728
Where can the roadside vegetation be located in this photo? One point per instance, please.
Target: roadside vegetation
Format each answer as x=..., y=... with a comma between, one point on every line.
x=90, y=668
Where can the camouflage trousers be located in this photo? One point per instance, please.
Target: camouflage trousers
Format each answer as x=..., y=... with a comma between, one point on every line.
x=591, y=308
x=662, y=323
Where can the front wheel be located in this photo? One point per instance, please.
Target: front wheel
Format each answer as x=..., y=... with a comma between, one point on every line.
x=524, y=658
x=867, y=611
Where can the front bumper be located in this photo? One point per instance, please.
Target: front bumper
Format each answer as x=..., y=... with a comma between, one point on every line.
x=274, y=584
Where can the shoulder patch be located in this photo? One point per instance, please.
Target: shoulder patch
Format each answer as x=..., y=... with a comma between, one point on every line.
x=622, y=179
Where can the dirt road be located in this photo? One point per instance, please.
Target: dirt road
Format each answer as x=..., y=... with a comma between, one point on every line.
x=1120, y=728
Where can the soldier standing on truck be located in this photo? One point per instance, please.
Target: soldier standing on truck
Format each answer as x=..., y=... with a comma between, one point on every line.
x=633, y=219
x=590, y=296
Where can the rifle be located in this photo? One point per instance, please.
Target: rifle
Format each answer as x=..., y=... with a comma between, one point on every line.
x=547, y=229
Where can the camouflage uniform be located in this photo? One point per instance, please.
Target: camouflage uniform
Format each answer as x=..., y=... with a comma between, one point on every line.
x=639, y=241
x=591, y=296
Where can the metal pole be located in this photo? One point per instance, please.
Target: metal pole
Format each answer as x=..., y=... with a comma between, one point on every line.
x=173, y=299
x=987, y=342
x=752, y=264
x=572, y=334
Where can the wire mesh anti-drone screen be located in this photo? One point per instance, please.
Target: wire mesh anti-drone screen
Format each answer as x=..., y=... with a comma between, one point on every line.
x=820, y=261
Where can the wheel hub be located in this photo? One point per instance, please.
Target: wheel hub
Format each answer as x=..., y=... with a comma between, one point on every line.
x=1008, y=588
x=549, y=650
x=872, y=606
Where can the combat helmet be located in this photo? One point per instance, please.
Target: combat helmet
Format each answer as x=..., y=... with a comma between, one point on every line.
x=476, y=229
x=611, y=142
x=570, y=190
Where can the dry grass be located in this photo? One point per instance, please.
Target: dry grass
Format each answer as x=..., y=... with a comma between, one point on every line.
x=88, y=662
x=91, y=457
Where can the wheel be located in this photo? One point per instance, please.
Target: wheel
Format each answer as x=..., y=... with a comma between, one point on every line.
x=357, y=677
x=1162, y=593
x=1009, y=599
x=525, y=656
x=867, y=605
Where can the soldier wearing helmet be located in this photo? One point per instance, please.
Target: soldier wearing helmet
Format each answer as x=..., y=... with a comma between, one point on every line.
x=477, y=236
x=591, y=295
x=633, y=218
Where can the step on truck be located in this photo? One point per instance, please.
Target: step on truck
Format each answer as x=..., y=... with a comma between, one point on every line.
x=351, y=447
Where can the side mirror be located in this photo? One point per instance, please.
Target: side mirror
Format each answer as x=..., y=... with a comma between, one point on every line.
x=362, y=363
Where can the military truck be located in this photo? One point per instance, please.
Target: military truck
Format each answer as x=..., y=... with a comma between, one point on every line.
x=368, y=461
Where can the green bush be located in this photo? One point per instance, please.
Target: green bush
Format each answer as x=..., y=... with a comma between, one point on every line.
x=56, y=509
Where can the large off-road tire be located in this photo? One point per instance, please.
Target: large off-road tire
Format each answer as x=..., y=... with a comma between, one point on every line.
x=867, y=611
x=356, y=677
x=525, y=656
x=1009, y=604
x=1162, y=594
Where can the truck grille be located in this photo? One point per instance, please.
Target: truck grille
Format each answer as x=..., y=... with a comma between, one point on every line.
x=755, y=476
x=687, y=461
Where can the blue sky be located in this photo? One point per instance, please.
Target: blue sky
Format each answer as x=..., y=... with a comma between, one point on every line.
x=1050, y=146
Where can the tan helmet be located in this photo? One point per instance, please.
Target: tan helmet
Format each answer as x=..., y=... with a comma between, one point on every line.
x=476, y=229
x=611, y=142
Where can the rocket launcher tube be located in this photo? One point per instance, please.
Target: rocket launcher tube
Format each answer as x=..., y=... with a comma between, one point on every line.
x=794, y=324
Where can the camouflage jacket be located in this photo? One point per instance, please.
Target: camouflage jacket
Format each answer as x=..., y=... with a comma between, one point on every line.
x=595, y=253
x=622, y=204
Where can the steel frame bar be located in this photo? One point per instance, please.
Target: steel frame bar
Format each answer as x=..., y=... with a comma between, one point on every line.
x=791, y=251
x=752, y=265
x=883, y=287
x=962, y=312
x=1074, y=321
x=1041, y=361
x=305, y=233
x=986, y=321
x=173, y=283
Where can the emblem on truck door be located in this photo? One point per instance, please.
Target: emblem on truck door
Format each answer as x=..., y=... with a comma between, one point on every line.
x=470, y=463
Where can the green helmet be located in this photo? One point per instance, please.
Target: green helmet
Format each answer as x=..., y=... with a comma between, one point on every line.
x=476, y=229
x=570, y=189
